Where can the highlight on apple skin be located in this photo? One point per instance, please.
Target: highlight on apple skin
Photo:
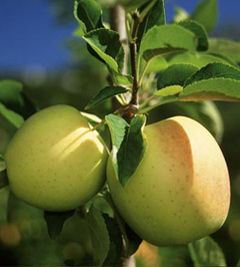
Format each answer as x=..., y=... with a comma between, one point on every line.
x=55, y=161
x=181, y=190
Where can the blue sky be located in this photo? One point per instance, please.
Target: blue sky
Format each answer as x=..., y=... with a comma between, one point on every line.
x=30, y=37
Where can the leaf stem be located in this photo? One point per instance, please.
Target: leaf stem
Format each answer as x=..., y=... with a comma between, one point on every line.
x=98, y=125
x=146, y=10
x=143, y=72
x=192, y=253
x=164, y=101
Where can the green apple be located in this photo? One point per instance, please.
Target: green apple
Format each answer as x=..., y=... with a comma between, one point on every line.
x=180, y=192
x=55, y=161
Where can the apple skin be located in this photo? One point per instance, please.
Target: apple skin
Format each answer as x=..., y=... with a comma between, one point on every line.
x=55, y=161
x=180, y=192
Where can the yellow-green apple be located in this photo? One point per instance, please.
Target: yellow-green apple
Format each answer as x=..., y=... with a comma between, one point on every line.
x=55, y=161
x=180, y=192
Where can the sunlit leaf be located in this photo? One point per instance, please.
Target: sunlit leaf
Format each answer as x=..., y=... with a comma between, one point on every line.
x=165, y=36
x=169, y=91
x=14, y=118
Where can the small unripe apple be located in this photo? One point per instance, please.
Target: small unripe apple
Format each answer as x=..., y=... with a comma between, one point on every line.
x=55, y=161
x=180, y=192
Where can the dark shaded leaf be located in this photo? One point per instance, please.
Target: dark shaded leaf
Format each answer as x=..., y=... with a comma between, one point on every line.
x=129, y=144
x=214, y=70
x=156, y=16
x=107, y=45
x=99, y=235
x=133, y=241
x=2, y=164
x=116, y=243
x=176, y=74
x=89, y=16
x=104, y=94
x=199, y=31
x=132, y=149
x=12, y=97
x=55, y=222
x=152, y=53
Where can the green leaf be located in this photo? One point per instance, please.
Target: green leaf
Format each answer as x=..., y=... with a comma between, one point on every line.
x=169, y=91
x=89, y=16
x=132, y=149
x=124, y=79
x=4, y=197
x=212, y=89
x=133, y=241
x=99, y=235
x=108, y=47
x=225, y=47
x=116, y=242
x=176, y=74
x=3, y=174
x=94, y=120
x=165, y=36
x=157, y=64
x=55, y=222
x=206, y=252
x=206, y=14
x=199, y=32
x=10, y=91
x=104, y=94
x=174, y=256
x=152, y=53
x=3, y=179
x=12, y=97
x=14, y=118
x=224, y=58
x=2, y=164
x=214, y=70
x=129, y=144
x=198, y=59
x=156, y=16
x=117, y=127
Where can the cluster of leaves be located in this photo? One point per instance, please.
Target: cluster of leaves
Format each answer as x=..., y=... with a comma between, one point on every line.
x=181, y=56
x=187, y=66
